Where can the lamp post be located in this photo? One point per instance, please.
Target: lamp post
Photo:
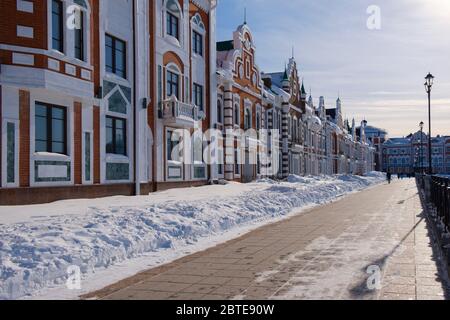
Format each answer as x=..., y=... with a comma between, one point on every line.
x=421, y=146
x=428, y=85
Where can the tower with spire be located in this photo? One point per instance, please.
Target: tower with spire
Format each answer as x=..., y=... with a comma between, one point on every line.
x=285, y=82
x=322, y=110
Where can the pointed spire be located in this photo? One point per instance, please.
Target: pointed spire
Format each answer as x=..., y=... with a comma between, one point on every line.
x=285, y=75
x=293, y=54
x=245, y=15
x=303, y=88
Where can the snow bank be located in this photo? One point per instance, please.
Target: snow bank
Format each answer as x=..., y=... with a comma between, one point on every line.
x=98, y=234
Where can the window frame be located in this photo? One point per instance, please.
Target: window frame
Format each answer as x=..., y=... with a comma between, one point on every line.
x=197, y=43
x=198, y=97
x=171, y=84
x=60, y=14
x=114, y=138
x=79, y=53
x=114, y=70
x=171, y=21
x=49, y=127
x=237, y=114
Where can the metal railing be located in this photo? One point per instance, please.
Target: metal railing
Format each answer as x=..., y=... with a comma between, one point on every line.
x=440, y=198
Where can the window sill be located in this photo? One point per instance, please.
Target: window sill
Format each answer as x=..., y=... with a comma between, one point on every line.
x=47, y=156
x=116, y=158
x=197, y=56
x=116, y=79
x=172, y=40
x=174, y=163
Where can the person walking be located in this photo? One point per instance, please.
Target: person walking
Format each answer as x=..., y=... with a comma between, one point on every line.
x=389, y=177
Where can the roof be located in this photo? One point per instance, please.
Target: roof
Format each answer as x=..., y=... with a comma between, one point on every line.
x=225, y=45
x=277, y=78
x=398, y=141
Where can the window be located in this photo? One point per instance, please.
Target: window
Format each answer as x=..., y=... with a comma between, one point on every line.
x=172, y=25
x=197, y=43
x=237, y=166
x=57, y=26
x=116, y=136
x=79, y=37
x=219, y=111
x=50, y=129
x=173, y=84
x=173, y=139
x=115, y=56
x=236, y=114
x=258, y=121
x=198, y=96
x=247, y=119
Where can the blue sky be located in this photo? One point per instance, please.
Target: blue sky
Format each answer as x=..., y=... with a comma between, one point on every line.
x=379, y=73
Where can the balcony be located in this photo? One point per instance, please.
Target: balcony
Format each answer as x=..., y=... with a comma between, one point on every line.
x=180, y=114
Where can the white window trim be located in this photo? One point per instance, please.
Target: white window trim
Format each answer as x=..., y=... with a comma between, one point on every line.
x=177, y=42
x=3, y=159
x=172, y=67
x=69, y=35
x=36, y=156
x=248, y=107
x=195, y=164
x=83, y=162
x=202, y=31
x=167, y=161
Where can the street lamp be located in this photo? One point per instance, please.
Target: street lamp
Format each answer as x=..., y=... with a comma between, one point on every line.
x=421, y=146
x=428, y=85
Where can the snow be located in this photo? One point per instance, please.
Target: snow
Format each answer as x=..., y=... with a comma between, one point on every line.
x=116, y=237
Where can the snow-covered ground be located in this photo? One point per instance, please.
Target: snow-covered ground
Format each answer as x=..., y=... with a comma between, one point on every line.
x=112, y=238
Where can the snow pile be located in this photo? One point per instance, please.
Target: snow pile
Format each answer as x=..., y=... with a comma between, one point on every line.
x=97, y=234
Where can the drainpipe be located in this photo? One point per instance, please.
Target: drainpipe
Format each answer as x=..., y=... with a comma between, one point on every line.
x=137, y=179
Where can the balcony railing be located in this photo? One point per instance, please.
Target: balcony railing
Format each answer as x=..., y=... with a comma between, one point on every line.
x=177, y=111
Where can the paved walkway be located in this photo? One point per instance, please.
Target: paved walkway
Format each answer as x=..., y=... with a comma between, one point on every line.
x=369, y=245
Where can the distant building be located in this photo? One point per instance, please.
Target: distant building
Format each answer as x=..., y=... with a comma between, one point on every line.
x=376, y=137
x=410, y=154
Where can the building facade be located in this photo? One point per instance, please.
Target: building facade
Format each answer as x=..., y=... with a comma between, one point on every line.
x=410, y=155
x=125, y=97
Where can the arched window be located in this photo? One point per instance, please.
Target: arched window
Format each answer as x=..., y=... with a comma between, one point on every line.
x=173, y=17
x=198, y=34
x=236, y=114
x=173, y=81
x=247, y=119
x=258, y=121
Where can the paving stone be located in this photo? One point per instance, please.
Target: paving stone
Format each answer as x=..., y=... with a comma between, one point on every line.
x=323, y=253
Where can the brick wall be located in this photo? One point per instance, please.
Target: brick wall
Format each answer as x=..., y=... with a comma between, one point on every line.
x=78, y=150
x=24, y=144
x=10, y=18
